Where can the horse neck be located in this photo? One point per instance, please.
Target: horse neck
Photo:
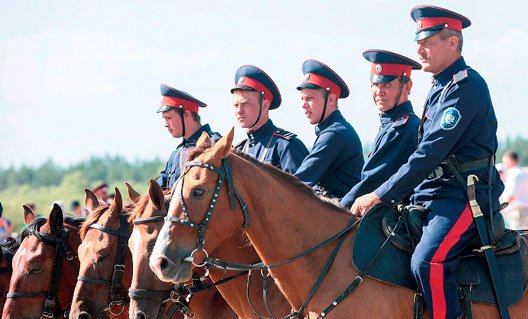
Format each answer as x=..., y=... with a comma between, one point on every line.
x=285, y=221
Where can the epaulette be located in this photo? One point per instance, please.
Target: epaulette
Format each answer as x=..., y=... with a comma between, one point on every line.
x=240, y=145
x=401, y=121
x=284, y=134
x=460, y=76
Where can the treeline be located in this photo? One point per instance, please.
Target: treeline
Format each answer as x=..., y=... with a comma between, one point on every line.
x=50, y=182
x=111, y=169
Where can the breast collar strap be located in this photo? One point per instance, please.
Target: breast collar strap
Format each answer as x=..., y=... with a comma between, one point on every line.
x=223, y=173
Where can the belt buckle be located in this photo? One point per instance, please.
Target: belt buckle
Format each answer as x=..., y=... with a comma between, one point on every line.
x=437, y=172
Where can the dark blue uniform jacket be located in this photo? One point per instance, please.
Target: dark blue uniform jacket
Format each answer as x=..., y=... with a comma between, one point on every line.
x=395, y=142
x=272, y=145
x=177, y=158
x=335, y=161
x=461, y=123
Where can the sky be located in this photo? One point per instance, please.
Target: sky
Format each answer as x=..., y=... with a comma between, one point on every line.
x=81, y=79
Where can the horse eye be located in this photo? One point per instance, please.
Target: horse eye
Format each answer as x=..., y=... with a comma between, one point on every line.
x=198, y=192
x=35, y=268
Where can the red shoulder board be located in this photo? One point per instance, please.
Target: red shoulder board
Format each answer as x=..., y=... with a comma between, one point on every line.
x=401, y=121
x=240, y=145
x=460, y=76
x=284, y=134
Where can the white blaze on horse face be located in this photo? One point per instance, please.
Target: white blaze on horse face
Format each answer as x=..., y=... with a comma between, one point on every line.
x=133, y=242
x=161, y=245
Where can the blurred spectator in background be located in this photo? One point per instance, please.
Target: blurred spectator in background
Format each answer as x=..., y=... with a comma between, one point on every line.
x=76, y=209
x=101, y=191
x=5, y=225
x=515, y=192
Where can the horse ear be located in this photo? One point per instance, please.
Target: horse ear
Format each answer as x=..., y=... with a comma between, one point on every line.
x=156, y=194
x=223, y=146
x=117, y=203
x=132, y=194
x=55, y=220
x=92, y=201
x=29, y=215
x=204, y=139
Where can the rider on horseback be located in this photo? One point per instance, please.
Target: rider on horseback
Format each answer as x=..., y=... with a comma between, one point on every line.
x=179, y=109
x=390, y=77
x=254, y=95
x=457, y=138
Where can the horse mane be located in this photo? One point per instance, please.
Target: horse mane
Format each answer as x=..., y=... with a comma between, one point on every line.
x=92, y=218
x=141, y=205
x=287, y=178
x=10, y=244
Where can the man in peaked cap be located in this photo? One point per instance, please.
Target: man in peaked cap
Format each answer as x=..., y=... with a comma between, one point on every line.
x=457, y=138
x=254, y=95
x=334, y=164
x=101, y=191
x=179, y=109
x=390, y=77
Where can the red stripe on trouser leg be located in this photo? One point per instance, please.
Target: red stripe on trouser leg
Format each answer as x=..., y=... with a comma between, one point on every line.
x=436, y=275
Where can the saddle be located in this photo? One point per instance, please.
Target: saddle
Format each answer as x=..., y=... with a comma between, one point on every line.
x=390, y=261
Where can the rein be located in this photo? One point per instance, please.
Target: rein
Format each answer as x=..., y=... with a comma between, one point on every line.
x=225, y=173
x=176, y=292
x=61, y=249
x=117, y=296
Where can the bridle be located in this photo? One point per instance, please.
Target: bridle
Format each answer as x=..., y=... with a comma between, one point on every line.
x=224, y=173
x=165, y=295
x=118, y=297
x=62, y=249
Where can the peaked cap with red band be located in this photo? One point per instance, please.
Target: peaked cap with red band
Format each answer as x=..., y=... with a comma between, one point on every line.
x=178, y=99
x=319, y=76
x=386, y=65
x=252, y=78
x=431, y=20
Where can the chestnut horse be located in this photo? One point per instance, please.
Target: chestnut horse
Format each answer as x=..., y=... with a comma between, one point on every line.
x=149, y=296
x=148, y=221
x=105, y=262
x=281, y=222
x=45, y=267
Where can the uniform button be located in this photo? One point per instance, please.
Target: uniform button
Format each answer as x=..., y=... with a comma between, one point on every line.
x=393, y=201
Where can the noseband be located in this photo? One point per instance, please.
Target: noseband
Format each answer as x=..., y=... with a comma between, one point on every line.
x=165, y=295
x=61, y=249
x=224, y=173
x=117, y=296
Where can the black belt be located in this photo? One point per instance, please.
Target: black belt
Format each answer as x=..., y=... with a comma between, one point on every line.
x=444, y=170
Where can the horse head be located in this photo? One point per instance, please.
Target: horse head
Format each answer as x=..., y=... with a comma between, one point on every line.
x=105, y=264
x=191, y=228
x=149, y=297
x=44, y=267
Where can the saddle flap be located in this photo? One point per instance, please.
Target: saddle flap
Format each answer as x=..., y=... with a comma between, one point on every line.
x=393, y=265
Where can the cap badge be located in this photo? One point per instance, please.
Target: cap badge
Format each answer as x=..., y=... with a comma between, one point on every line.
x=241, y=80
x=419, y=25
x=306, y=77
x=379, y=68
